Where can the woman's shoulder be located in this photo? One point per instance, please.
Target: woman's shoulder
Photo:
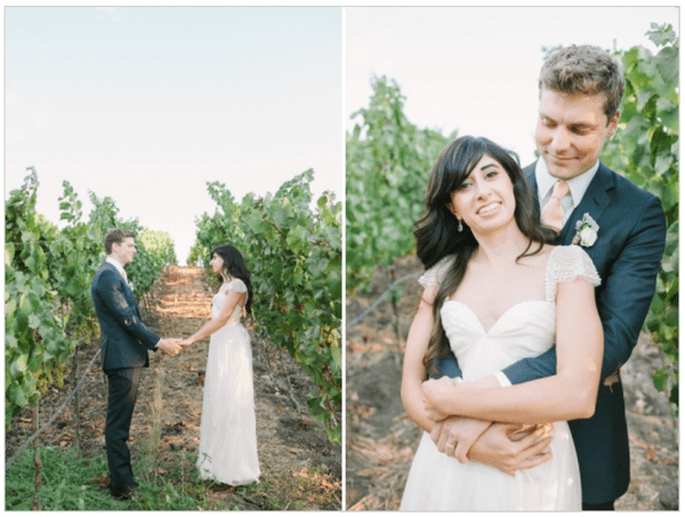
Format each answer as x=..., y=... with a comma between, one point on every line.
x=435, y=274
x=236, y=285
x=566, y=263
x=565, y=253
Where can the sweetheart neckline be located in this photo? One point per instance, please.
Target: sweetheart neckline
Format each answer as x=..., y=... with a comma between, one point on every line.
x=487, y=332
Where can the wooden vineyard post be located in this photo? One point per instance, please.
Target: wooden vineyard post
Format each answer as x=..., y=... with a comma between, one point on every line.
x=393, y=300
x=76, y=401
x=36, y=457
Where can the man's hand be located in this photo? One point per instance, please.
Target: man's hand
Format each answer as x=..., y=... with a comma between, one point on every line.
x=512, y=447
x=455, y=435
x=169, y=346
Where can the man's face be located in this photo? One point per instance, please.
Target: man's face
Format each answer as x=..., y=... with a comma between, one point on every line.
x=570, y=132
x=123, y=253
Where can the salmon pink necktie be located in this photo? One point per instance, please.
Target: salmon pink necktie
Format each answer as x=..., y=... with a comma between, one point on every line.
x=553, y=213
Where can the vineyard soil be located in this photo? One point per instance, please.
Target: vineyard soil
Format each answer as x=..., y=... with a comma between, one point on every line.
x=381, y=439
x=290, y=444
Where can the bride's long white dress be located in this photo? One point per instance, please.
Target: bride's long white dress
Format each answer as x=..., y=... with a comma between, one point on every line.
x=439, y=482
x=228, y=435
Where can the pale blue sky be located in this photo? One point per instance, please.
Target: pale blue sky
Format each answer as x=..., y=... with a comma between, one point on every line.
x=148, y=104
x=475, y=69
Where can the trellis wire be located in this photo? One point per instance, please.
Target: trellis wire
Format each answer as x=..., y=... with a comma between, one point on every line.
x=52, y=419
x=380, y=298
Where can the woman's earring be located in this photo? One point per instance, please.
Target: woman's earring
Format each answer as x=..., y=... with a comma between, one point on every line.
x=460, y=228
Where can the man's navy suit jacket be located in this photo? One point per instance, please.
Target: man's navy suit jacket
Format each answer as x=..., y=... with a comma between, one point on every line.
x=627, y=255
x=124, y=339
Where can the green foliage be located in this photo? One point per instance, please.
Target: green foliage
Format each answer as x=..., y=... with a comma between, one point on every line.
x=160, y=246
x=646, y=150
x=388, y=164
x=294, y=256
x=48, y=272
x=66, y=482
x=154, y=251
x=35, y=341
x=75, y=255
x=71, y=482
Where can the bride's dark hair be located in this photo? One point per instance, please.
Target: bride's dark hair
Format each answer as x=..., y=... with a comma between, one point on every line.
x=437, y=233
x=234, y=263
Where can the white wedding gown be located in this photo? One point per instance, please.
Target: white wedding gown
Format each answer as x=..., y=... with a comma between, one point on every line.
x=439, y=482
x=228, y=436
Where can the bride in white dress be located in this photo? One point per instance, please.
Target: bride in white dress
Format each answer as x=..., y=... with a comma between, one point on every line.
x=498, y=292
x=228, y=436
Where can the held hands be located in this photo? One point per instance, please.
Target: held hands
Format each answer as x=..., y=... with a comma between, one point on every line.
x=169, y=346
x=185, y=343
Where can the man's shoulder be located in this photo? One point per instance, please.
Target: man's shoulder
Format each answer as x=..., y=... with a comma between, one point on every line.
x=104, y=267
x=626, y=190
x=105, y=271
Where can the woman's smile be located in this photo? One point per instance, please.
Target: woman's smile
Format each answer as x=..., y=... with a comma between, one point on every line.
x=490, y=207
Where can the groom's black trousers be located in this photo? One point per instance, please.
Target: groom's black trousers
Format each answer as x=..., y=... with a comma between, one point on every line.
x=123, y=391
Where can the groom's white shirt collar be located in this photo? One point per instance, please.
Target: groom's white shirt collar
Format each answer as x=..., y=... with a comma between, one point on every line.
x=577, y=186
x=117, y=265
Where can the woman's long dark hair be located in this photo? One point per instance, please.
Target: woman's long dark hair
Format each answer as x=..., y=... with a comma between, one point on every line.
x=437, y=234
x=234, y=264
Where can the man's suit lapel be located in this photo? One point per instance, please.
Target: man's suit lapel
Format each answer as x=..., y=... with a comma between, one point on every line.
x=594, y=202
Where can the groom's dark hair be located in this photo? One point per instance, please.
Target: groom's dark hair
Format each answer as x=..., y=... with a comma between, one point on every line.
x=116, y=235
x=585, y=69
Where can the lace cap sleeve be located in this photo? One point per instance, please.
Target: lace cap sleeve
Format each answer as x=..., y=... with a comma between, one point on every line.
x=565, y=264
x=435, y=274
x=237, y=285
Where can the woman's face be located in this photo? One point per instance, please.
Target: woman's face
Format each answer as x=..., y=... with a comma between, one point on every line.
x=217, y=263
x=485, y=200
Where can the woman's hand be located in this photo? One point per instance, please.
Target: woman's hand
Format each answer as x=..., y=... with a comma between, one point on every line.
x=186, y=342
x=455, y=435
x=436, y=392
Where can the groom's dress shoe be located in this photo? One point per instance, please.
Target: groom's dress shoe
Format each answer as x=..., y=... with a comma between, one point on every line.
x=123, y=493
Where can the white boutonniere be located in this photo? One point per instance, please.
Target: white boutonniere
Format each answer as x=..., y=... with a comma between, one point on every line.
x=586, y=231
x=130, y=285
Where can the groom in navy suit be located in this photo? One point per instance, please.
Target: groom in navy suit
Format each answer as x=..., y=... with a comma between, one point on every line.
x=580, y=91
x=125, y=342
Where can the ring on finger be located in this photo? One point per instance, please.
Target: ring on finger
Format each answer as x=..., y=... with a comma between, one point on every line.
x=452, y=445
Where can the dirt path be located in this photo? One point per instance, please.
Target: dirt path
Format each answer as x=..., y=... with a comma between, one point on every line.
x=381, y=440
x=293, y=450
